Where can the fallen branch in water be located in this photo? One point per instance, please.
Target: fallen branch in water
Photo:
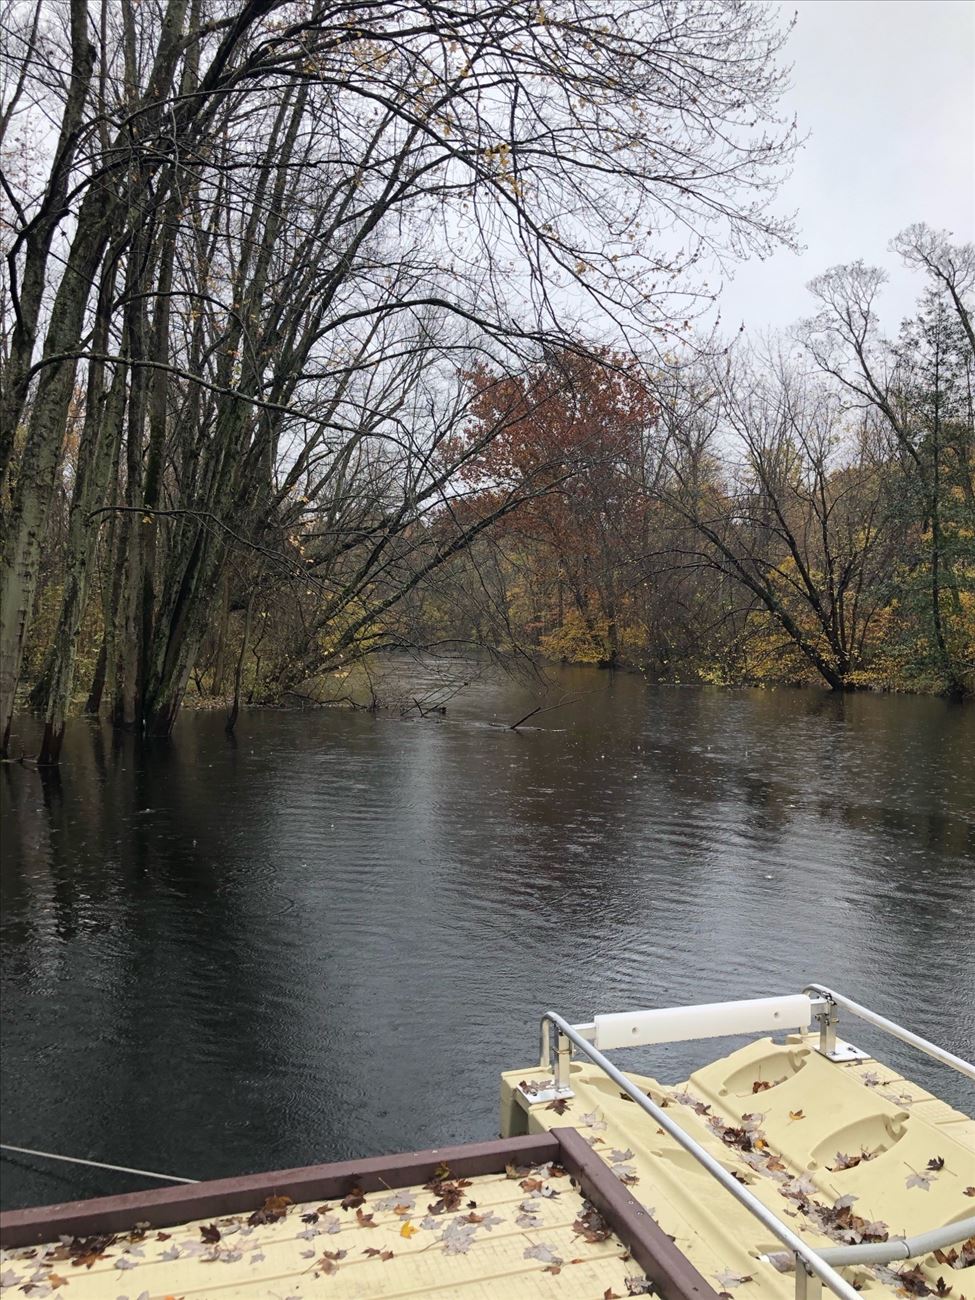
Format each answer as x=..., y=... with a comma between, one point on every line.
x=543, y=708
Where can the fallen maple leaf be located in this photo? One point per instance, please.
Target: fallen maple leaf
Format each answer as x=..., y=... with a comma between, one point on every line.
x=86, y=1251
x=353, y=1198
x=55, y=1280
x=329, y=1261
x=559, y=1105
x=761, y=1085
x=913, y=1282
x=796, y=1114
x=408, y=1230
x=936, y=1164
x=848, y=1162
x=970, y=1191
x=210, y=1233
x=375, y=1253
x=365, y=1220
x=729, y=1278
x=591, y=1226
x=543, y=1252
x=273, y=1209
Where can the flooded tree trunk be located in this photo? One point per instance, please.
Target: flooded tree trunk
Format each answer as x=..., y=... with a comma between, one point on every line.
x=239, y=667
x=93, y=703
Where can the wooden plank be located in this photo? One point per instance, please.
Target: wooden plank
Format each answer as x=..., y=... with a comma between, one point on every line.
x=163, y=1207
x=659, y=1257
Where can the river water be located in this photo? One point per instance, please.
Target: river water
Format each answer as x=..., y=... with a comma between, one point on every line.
x=327, y=939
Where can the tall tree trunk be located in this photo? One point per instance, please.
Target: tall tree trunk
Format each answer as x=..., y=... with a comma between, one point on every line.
x=97, y=461
x=41, y=459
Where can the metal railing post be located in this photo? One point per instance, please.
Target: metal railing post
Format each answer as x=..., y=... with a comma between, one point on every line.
x=808, y=1285
x=563, y=1057
x=544, y=1046
x=967, y=1068
x=827, y=1018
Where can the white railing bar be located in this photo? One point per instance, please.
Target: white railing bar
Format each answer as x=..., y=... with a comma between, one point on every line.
x=883, y=1252
x=896, y=1031
x=96, y=1164
x=813, y=1262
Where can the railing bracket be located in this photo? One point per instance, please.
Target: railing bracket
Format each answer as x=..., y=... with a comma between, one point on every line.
x=545, y=1091
x=844, y=1051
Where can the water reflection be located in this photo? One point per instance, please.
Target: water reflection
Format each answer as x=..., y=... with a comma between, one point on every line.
x=327, y=939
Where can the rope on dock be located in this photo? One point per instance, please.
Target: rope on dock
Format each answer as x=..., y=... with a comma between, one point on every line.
x=97, y=1164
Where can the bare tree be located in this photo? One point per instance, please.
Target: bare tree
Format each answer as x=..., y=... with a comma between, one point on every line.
x=257, y=211
x=911, y=388
x=781, y=493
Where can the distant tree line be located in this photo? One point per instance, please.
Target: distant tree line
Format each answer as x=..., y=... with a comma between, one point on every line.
x=798, y=513
x=303, y=322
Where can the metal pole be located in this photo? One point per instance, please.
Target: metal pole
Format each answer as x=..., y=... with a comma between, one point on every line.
x=896, y=1031
x=884, y=1252
x=804, y=1253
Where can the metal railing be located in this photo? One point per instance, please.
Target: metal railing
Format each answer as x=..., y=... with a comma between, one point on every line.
x=812, y=1268
x=830, y=996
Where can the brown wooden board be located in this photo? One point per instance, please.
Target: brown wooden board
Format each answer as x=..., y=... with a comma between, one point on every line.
x=661, y=1259
x=165, y=1206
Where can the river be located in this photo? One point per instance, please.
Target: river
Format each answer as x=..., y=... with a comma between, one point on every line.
x=326, y=939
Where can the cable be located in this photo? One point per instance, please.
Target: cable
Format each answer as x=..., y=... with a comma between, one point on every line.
x=97, y=1164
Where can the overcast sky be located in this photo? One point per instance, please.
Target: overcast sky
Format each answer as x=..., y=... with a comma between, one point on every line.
x=885, y=90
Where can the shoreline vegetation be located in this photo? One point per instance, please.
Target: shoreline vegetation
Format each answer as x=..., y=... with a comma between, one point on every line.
x=332, y=333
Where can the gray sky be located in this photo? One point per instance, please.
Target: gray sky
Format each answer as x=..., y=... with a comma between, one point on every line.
x=885, y=90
